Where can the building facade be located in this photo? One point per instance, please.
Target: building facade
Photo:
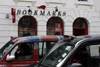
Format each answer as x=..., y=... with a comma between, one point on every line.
x=48, y=17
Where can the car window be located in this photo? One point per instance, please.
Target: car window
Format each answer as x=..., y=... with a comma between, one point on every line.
x=95, y=51
x=88, y=56
x=56, y=56
x=5, y=49
x=44, y=48
x=23, y=51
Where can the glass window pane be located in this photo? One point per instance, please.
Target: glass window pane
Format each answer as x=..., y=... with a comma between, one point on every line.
x=50, y=25
x=23, y=51
x=32, y=33
x=40, y=48
x=79, y=23
x=22, y=23
x=20, y=34
x=44, y=48
x=27, y=26
x=95, y=51
x=31, y=24
x=54, y=25
x=14, y=50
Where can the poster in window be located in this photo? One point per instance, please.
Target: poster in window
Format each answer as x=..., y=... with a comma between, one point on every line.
x=57, y=27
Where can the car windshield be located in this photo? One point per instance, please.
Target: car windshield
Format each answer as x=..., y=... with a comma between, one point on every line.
x=57, y=55
x=5, y=49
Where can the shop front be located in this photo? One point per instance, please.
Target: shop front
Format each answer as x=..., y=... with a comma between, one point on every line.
x=29, y=24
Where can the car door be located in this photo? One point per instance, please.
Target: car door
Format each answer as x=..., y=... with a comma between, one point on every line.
x=88, y=54
x=22, y=60
x=94, y=58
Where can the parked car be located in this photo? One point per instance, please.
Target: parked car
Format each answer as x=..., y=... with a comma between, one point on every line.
x=82, y=51
x=23, y=51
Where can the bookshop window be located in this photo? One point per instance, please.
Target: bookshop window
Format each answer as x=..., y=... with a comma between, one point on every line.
x=80, y=23
x=55, y=26
x=27, y=26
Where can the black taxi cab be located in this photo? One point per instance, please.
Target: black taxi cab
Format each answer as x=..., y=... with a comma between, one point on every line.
x=81, y=51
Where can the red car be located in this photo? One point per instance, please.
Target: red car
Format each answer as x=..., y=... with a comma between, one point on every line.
x=13, y=53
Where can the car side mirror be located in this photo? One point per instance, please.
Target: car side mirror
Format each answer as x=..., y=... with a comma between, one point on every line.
x=76, y=65
x=10, y=58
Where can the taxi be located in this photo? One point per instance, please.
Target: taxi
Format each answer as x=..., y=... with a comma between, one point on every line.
x=23, y=51
x=81, y=51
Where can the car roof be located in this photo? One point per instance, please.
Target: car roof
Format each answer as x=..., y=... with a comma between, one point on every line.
x=37, y=38
x=85, y=37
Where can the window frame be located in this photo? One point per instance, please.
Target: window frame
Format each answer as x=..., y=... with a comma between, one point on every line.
x=84, y=3
x=43, y=46
x=23, y=59
x=85, y=44
x=53, y=31
x=56, y=2
x=35, y=31
x=32, y=1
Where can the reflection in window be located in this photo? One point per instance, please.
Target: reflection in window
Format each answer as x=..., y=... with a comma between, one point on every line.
x=23, y=51
x=54, y=26
x=57, y=55
x=95, y=51
x=5, y=49
x=80, y=23
x=27, y=26
x=44, y=48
